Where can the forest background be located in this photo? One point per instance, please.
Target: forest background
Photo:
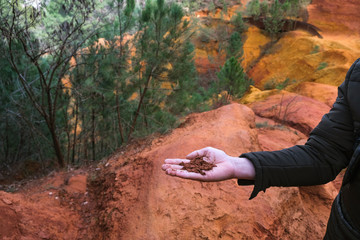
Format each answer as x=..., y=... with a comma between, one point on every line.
x=81, y=79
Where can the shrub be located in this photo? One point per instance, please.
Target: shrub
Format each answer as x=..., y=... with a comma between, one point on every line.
x=322, y=66
x=270, y=84
x=284, y=84
x=316, y=49
x=273, y=84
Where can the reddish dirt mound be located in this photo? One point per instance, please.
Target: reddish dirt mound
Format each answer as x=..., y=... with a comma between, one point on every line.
x=297, y=111
x=273, y=136
x=54, y=207
x=41, y=217
x=144, y=203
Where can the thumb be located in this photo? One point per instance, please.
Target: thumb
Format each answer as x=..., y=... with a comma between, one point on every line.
x=198, y=153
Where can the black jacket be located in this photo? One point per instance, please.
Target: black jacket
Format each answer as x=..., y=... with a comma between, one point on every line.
x=329, y=149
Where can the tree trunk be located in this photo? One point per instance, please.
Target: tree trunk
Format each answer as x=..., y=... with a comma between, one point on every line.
x=6, y=145
x=75, y=130
x=57, y=147
x=86, y=157
x=67, y=130
x=118, y=116
x=16, y=158
x=83, y=140
x=145, y=118
x=93, y=134
x=140, y=103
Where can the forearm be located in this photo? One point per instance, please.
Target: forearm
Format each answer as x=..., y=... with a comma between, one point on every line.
x=315, y=163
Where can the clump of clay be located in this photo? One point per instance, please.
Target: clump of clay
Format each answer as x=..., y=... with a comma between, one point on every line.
x=197, y=165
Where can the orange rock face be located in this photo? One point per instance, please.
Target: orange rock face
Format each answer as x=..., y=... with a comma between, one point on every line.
x=321, y=92
x=302, y=58
x=273, y=136
x=297, y=56
x=334, y=16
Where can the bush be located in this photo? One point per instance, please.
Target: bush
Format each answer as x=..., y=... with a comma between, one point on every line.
x=316, y=49
x=273, y=84
x=322, y=66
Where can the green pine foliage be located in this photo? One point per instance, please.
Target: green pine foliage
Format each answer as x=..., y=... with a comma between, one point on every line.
x=238, y=22
x=274, y=20
x=186, y=96
x=116, y=89
x=232, y=78
x=23, y=133
x=253, y=9
x=235, y=46
x=163, y=54
x=274, y=13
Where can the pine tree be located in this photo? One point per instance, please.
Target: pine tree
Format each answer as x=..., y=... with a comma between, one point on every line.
x=253, y=8
x=232, y=78
x=235, y=46
x=158, y=44
x=238, y=22
x=46, y=56
x=185, y=96
x=23, y=133
x=275, y=19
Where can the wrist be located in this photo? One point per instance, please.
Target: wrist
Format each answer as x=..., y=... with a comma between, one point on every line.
x=243, y=169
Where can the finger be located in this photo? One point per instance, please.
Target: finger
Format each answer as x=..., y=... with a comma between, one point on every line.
x=175, y=161
x=185, y=174
x=174, y=167
x=198, y=153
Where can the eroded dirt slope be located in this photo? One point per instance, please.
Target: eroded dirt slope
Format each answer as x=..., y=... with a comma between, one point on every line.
x=54, y=207
x=147, y=204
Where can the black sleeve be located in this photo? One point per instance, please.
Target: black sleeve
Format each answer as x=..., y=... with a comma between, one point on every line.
x=327, y=151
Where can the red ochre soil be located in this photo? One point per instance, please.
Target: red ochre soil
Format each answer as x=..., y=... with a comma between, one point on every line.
x=50, y=208
x=197, y=165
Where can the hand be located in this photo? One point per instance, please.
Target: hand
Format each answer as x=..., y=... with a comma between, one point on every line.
x=227, y=167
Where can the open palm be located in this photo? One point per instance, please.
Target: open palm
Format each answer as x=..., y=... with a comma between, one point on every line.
x=227, y=167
